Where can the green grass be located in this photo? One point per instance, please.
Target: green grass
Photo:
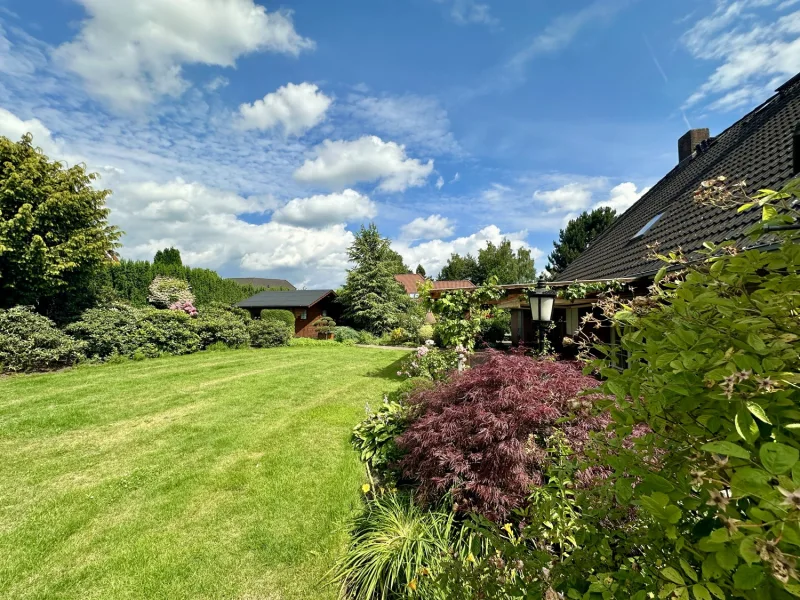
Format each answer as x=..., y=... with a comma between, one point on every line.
x=215, y=475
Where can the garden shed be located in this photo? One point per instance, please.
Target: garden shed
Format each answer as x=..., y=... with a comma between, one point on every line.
x=308, y=306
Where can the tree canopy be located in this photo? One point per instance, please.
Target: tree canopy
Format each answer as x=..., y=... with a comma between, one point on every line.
x=168, y=256
x=54, y=231
x=577, y=235
x=371, y=297
x=420, y=270
x=500, y=261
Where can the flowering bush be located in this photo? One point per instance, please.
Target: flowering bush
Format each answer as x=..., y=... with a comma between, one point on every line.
x=165, y=291
x=185, y=306
x=432, y=363
x=481, y=435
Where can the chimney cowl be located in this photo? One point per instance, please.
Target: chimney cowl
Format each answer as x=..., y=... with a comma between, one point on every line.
x=689, y=141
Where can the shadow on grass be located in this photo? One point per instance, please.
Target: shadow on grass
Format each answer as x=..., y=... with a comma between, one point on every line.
x=389, y=371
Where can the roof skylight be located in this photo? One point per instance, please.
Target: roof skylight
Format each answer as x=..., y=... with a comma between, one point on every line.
x=647, y=226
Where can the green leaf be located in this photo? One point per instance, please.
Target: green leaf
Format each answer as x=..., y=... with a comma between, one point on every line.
x=687, y=568
x=700, y=592
x=778, y=458
x=755, y=342
x=747, y=549
x=672, y=575
x=715, y=589
x=747, y=577
x=726, y=449
x=768, y=212
x=727, y=558
x=746, y=426
x=750, y=481
x=745, y=206
x=758, y=412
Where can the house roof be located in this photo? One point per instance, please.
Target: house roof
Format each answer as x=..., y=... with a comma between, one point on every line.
x=263, y=282
x=456, y=284
x=756, y=149
x=293, y=299
x=409, y=281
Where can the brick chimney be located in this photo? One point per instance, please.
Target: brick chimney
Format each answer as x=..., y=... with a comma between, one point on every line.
x=688, y=141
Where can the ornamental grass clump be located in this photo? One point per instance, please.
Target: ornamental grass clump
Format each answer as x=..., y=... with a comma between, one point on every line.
x=482, y=435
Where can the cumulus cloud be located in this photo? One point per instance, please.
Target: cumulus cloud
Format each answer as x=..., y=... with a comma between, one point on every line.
x=131, y=53
x=495, y=193
x=440, y=183
x=205, y=224
x=434, y=226
x=754, y=52
x=217, y=83
x=576, y=197
x=322, y=211
x=342, y=163
x=12, y=127
x=294, y=107
x=433, y=254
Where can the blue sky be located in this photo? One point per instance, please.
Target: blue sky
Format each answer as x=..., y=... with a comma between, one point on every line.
x=257, y=136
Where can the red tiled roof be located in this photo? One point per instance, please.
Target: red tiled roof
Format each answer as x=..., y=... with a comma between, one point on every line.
x=409, y=281
x=458, y=284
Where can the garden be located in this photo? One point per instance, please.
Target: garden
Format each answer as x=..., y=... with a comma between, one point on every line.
x=185, y=449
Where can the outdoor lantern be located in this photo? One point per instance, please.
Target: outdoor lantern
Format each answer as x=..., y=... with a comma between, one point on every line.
x=542, y=301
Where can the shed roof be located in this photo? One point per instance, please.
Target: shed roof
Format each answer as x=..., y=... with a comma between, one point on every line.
x=293, y=299
x=263, y=282
x=756, y=149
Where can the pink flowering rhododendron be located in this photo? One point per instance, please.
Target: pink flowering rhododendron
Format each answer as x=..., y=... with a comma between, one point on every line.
x=186, y=307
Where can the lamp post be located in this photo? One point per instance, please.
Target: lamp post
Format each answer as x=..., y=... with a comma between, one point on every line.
x=541, y=300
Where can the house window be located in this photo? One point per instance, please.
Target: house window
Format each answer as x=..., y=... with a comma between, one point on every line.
x=647, y=226
x=303, y=315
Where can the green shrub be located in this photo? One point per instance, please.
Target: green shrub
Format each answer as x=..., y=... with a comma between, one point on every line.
x=242, y=314
x=392, y=542
x=214, y=326
x=325, y=326
x=269, y=333
x=167, y=332
x=348, y=342
x=397, y=336
x=115, y=330
x=496, y=327
x=425, y=333
x=366, y=338
x=345, y=333
x=431, y=363
x=31, y=342
x=278, y=314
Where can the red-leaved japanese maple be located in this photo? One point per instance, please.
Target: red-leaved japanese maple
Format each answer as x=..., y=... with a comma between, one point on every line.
x=481, y=435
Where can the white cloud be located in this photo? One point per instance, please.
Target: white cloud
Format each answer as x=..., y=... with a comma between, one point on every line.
x=570, y=197
x=434, y=226
x=342, y=163
x=14, y=128
x=754, y=53
x=496, y=192
x=578, y=196
x=433, y=254
x=419, y=121
x=622, y=197
x=322, y=211
x=203, y=223
x=131, y=53
x=295, y=107
x=440, y=183
x=217, y=83
x=465, y=12
x=456, y=177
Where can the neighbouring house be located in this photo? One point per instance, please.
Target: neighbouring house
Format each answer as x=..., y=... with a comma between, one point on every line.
x=308, y=307
x=762, y=149
x=411, y=282
x=264, y=282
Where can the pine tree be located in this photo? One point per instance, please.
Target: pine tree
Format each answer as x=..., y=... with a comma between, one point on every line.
x=420, y=270
x=577, y=235
x=371, y=297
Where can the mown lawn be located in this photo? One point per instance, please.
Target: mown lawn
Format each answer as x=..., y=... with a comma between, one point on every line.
x=215, y=475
